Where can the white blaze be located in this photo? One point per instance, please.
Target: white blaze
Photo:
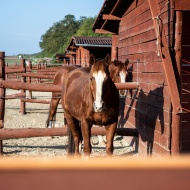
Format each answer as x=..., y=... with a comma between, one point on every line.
x=99, y=78
x=122, y=76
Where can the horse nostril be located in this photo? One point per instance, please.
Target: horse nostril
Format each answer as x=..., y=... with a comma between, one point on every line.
x=122, y=93
x=95, y=106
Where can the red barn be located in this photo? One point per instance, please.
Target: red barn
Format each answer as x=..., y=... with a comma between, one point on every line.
x=155, y=36
x=80, y=48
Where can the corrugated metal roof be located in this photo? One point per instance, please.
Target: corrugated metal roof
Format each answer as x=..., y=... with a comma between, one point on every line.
x=92, y=41
x=88, y=41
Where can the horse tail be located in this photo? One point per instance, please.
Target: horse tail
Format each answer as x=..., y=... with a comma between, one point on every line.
x=71, y=143
x=47, y=123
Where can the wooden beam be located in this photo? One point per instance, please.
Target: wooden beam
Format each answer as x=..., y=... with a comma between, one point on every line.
x=70, y=53
x=73, y=47
x=18, y=133
x=94, y=173
x=127, y=85
x=110, y=17
x=101, y=31
x=182, y=5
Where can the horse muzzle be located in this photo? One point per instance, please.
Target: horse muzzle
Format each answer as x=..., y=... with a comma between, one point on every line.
x=122, y=93
x=98, y=106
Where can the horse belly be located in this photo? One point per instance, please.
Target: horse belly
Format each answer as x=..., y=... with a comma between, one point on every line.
x=73, y=104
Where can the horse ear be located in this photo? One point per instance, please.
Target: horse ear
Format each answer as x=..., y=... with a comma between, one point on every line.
x=108, y=59
x=116, y=62
x=92, y=60
x=126, y=62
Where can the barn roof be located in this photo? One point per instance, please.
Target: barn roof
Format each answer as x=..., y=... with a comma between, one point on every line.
x=86, y=41
x=110, y=15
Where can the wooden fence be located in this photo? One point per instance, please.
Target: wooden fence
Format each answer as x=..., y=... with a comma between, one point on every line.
x=93, y=174
x=23, y=86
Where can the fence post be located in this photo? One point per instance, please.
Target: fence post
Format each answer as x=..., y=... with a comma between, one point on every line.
x=23, y=79
x=2, y=95
x=29, y=78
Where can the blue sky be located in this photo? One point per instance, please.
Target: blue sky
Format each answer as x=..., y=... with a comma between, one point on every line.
x=23, y=22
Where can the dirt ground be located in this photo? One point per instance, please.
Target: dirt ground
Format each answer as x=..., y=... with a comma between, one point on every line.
x=47, y=147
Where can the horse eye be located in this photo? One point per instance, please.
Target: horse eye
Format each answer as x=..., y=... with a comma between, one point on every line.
x=91, y=78
x=117, y=75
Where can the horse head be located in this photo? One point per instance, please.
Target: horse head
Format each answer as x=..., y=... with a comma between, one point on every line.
x=99, y=77
x=118, y=73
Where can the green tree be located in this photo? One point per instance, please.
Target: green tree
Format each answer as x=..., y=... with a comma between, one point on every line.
x=86, y=28
x=57, y=37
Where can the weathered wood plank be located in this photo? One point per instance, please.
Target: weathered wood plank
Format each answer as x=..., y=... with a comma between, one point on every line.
x=134, y=5
x=159, y=78
x=142, y=57
x=149, y=35
x=136, y=119
x=135, y=19
x=148, y=67
x=148, y=111
x=182, y=5
x=150, y=88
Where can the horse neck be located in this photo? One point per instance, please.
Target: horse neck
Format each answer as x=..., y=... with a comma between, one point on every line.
x=113, y=70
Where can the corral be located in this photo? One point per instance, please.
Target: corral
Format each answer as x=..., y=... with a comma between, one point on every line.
x=23, y=86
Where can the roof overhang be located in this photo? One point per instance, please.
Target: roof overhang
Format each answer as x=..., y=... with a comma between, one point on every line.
x=92, y=45
x=110, y=15
x=96, y=42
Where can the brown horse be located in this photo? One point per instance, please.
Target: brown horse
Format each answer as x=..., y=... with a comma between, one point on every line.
x=56, y=96
x=90, y=96
x=118, y=73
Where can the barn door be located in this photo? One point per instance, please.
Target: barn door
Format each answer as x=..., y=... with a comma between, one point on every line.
x=185, y=123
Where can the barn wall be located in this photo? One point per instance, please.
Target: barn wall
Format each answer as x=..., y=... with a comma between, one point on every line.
x=147, y=108
x=82, y=56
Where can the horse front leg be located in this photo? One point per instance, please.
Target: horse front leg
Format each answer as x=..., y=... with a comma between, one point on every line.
x=110, y=133
x=86, y=133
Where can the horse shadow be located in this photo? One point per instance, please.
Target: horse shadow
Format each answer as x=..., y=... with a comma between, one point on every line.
x=144, y=111
x=150, y=117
